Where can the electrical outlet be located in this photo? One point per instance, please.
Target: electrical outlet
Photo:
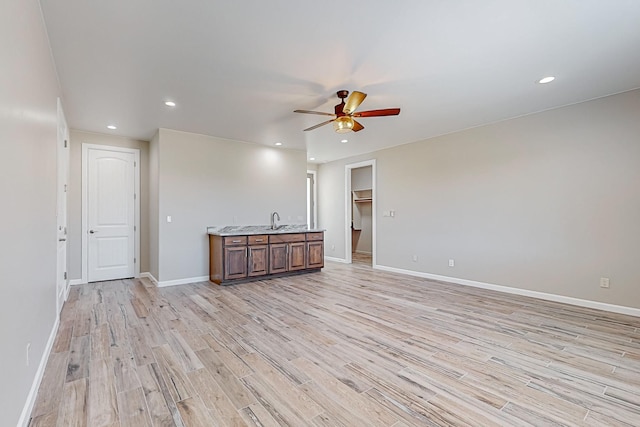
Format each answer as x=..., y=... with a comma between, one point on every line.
x=414, y=258
x=452, y=263
x=333, y=247
x=392, y=214
x=169, y=219
x=604, y=282
x=28, y=350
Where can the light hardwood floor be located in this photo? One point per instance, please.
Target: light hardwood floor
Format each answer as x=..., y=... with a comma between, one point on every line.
x=349, y=346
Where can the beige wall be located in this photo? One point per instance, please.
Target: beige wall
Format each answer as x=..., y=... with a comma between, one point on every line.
x=206, y=181
x=74, y=202
x=547, y=202
x=28, y=132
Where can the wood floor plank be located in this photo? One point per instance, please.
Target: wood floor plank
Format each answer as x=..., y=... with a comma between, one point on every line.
x=79, y=354
x=52, y=384
x=175, y=378
x=234, y=362
x=359, y=404
x=235, y=389
x=349, y=346
x=124, y=369
x=46, y=420
x=132, y=409
x=281, y=385
x=161, y=411
x=221, y=409
x=103, y=403
x=74, y=411
x=63, y=339
x=194, y=413
x=256, y=415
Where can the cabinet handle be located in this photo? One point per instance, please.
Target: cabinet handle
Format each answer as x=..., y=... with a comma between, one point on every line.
x=236, y=241
x=258, y=240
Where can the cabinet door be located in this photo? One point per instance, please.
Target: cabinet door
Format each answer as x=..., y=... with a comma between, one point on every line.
x=297, y=258
x=235, y=262
x=278, y=258
x=315, y=254
x=258, y=260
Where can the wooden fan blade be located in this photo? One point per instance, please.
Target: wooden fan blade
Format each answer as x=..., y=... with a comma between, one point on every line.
x=320, y=124
x=377, y=113
x=354, y=100
x=357, y=126
x=313, y=112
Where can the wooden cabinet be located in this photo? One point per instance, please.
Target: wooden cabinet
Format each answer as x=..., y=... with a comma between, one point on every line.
x=235, y=262
x=243, y=258
x=315, y=254
x=297, y=258
x=258, y=260
x=258, y=255
x=278, y=258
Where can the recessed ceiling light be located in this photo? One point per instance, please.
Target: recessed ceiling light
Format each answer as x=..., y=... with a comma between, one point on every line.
x=278, y=143
x=112, y=127
x=344, y=141
x=170, y=103
x=548, y=79
x=312, y=158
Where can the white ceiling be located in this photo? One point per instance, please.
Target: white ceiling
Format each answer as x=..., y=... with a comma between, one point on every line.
x=238, y=69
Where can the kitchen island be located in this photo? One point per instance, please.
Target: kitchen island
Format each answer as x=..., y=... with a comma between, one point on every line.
x=257, y=252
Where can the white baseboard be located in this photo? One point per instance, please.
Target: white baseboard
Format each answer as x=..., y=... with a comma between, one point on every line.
x=150, y=277
x=181, y=281
x=31, y=397
x=76, y=282
x=631, y=311
x=342, y=260
x=363, y=252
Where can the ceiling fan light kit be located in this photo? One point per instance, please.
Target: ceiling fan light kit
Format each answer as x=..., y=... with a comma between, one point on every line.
x=343, y=121
x=343, y=124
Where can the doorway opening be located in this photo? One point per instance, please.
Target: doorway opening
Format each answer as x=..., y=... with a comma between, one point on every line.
x=312, y=209
x=360, y=219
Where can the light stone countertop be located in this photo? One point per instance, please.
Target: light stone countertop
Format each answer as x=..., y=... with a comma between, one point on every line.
x=246, y=230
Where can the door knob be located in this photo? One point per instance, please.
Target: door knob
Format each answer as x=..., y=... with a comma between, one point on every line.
x=92, y=231
x=62, y=240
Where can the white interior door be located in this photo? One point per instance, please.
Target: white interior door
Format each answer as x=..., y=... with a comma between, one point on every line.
x=111, y=192
x=62, y=184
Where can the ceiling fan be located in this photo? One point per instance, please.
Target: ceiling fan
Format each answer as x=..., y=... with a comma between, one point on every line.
x=345, y=112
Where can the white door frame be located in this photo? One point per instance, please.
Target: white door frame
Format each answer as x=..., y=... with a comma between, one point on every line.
x=62, y=162
x=315, y=196
x=349, y=209
x=85, y=208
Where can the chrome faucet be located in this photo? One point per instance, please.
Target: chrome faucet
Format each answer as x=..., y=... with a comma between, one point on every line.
x=273, y=221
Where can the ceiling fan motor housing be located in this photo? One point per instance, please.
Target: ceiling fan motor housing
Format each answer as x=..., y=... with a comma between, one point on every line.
x=342, y=94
